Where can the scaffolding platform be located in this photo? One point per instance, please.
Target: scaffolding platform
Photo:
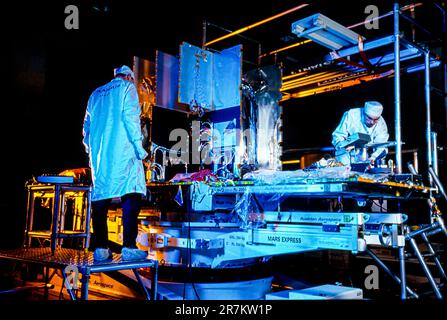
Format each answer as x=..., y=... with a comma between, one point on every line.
x=72, y=263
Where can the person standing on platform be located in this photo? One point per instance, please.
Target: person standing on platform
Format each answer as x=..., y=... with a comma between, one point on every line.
x=366, y=120
x=114, y=143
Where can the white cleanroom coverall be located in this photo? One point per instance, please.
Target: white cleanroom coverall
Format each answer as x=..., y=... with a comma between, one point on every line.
x=113, y=140
x=353, y=122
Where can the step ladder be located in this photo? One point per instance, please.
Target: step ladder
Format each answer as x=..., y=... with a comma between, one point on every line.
x=423, y=233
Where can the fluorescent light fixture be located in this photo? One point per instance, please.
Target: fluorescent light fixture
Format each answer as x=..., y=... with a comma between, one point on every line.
x=325, y=31
x=419, y=67
x=387, y=59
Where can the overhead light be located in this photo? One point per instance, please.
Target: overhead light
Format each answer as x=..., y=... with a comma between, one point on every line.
x=325, y=31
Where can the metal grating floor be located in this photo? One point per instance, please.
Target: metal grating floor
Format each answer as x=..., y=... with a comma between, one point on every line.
x=63, y=256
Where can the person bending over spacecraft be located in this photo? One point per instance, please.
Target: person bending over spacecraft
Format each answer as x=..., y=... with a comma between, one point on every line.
x=366, y=120
x=113, y=141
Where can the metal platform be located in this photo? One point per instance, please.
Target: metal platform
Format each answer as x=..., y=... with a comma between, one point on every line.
x=349, y=189
x=329, y=188
x=80, y=261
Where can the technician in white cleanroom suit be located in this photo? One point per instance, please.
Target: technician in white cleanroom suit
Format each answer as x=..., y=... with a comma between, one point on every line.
x=113, y=141
x=367, y=120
